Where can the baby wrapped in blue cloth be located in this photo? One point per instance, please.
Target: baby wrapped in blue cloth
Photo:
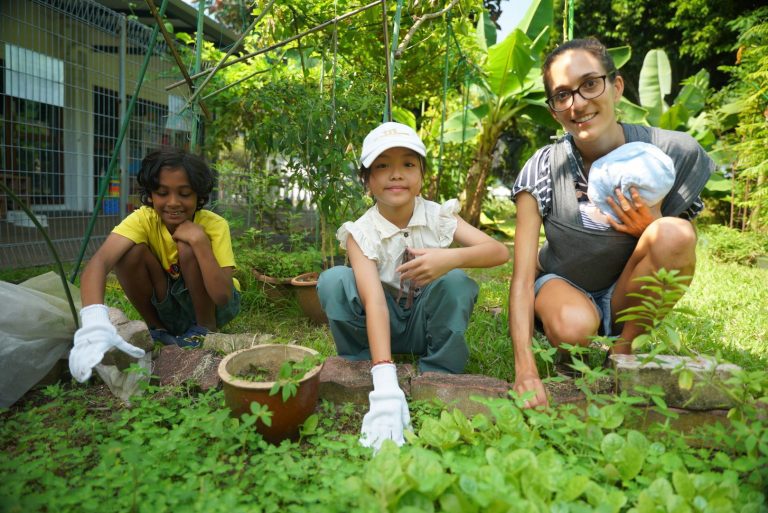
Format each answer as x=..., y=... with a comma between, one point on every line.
x=635, y=164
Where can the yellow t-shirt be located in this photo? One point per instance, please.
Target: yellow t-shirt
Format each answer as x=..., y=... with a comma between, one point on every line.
x=144, y=226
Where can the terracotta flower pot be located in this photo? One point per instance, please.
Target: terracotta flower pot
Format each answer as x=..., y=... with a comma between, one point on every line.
x=288, y=416
x=276, y=289
x=306, y=293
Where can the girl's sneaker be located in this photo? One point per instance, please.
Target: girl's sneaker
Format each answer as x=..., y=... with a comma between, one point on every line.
x=193, y=337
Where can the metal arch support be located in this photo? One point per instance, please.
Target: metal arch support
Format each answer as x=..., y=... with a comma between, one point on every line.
x=196, y=90
x=175, y=54
x=278, y=45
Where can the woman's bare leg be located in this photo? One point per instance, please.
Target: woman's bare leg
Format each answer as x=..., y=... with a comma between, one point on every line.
x=668, y=242
x=567, y=314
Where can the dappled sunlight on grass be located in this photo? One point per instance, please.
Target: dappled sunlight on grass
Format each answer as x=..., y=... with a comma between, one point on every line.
x=731, y=302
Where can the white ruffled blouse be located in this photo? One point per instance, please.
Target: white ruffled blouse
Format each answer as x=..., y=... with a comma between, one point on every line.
x=431, y=226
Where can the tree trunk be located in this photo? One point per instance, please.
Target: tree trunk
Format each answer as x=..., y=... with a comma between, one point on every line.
x=474, y=186
x=754, y=219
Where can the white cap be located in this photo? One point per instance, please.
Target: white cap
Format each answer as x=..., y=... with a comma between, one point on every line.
x=390, y=135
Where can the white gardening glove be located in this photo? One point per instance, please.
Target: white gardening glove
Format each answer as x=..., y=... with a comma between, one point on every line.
x=389, y=415
x=95, y=338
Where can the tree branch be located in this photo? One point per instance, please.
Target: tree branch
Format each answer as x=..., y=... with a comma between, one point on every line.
x=419, y=20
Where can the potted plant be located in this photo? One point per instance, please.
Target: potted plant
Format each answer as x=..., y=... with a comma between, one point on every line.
x=274, y=264
x=284, y=378
x=306, y=292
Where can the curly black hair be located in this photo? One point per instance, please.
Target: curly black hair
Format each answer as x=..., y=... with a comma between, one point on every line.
x=201, y=176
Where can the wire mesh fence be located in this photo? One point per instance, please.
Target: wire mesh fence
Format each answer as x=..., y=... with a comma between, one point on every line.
x=67, y=71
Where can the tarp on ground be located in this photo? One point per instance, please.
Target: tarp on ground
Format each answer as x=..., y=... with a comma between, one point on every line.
x=36, y=330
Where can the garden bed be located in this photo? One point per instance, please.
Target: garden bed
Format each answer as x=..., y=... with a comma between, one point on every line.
x=75, y=448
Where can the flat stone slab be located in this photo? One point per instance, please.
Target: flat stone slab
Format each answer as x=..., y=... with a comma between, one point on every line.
x=117, y=316
x=133, y=332
x=633, y=372
x=174, y=365
x=345, y=381
x=457, y=390
x=230, y=342
x=565, y=390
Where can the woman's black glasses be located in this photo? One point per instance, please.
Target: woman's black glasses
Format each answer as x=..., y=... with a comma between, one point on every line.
x=589, y=89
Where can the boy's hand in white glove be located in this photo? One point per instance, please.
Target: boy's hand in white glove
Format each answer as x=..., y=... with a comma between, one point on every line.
x=388, y=415
x=95, y=338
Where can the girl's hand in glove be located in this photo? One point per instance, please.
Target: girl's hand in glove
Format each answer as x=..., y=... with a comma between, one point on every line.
x=388, y=416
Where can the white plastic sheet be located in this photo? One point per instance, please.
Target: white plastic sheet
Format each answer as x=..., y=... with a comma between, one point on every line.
x=36, y=330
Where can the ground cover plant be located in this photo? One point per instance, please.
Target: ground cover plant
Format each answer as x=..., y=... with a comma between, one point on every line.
x=70, y=447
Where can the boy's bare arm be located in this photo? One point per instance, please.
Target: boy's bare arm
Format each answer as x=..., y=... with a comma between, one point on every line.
x=94, y=278
x=217, y=280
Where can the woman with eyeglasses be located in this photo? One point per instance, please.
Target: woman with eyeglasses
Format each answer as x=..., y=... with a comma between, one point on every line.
x=575, y=284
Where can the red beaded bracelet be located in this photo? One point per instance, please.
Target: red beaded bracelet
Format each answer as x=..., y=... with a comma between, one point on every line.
x=377, y=362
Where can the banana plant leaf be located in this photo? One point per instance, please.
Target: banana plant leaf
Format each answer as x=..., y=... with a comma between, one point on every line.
x=632, y=113
x=620, y=55
x=404, y=116
x=486, y=31
x=538, y=17
x=655, y=84
x=508, y=64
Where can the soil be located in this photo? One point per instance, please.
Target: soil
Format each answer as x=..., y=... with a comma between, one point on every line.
x=261, y=373
x=268, y=372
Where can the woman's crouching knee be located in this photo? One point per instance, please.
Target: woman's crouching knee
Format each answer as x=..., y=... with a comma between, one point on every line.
x=673, y=243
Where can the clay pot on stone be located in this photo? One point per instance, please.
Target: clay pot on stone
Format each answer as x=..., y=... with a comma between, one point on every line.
x=288, y=416
x=276, y=289
x=306, y=292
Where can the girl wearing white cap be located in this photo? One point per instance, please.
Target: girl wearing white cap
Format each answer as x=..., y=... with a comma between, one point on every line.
x=574, y=285
x=404, y=292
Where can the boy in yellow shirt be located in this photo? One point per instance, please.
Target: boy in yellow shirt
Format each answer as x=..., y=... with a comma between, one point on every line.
x=173, y=259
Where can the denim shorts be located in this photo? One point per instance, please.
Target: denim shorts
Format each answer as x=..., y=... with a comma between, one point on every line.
x=601, y=299
x=177, y=312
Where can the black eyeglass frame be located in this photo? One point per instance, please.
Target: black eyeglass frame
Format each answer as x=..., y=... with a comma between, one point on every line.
x=573, y=92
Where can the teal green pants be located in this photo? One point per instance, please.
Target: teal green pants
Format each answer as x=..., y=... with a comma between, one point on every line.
x=433, y=328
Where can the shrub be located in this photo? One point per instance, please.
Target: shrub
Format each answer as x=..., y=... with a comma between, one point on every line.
x=729, y=245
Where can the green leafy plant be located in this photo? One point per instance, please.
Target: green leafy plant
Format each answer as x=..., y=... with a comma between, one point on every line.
x=272, y=260
x=659, y=295
x=291, y=373
x=686, y=113
x=73, y=448
x=509, y=93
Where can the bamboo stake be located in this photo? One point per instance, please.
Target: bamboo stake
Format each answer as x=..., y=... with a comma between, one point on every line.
x=387, y=65
x=175, y=54
x=229, y=53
